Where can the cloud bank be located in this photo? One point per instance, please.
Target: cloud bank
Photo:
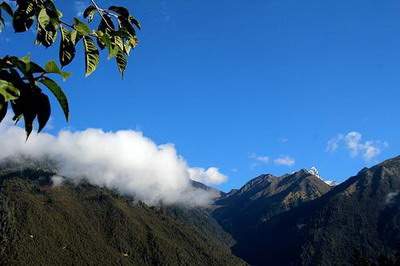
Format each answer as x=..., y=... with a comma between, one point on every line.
x=124, y=160
x=353, y=142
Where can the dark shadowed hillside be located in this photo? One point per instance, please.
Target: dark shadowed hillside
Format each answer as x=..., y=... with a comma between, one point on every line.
x=243, y=211
x=88, y=225
x=357, y=222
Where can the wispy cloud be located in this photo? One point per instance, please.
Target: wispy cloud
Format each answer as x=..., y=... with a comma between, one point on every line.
x=285, y=160
x=263, y=160
x=353, y=142
x=259, y=158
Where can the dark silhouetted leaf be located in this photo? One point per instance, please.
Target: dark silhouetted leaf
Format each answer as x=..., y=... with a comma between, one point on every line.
x=89, y=12
x=43, y=110
x=135, y=22
x=22, y=22
x=67, y=47
x=6, y=7
x=3, y=108
x=122, y=11
x=58, y=93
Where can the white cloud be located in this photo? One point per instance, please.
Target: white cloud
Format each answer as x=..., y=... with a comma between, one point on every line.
x=353, y=142
x=285, y=160
x=259, y=159
x=333, y=144
x=123, y=160
x=262, y=160
x=211, y=176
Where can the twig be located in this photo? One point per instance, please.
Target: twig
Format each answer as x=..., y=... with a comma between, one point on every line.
x=101, y=11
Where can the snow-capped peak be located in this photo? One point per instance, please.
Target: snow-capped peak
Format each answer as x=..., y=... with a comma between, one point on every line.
x=314, y=171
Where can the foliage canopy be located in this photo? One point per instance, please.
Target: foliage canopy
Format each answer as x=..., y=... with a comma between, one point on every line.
x=22, y=80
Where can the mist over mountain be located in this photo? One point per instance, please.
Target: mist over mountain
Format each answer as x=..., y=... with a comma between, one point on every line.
x=42, y=223
x=125, y=160
x=294, y=219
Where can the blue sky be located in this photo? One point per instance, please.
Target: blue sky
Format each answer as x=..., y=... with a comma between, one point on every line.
x=249, y=86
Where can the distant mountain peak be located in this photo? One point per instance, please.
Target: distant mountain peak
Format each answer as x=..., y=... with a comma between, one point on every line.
x=314, y=171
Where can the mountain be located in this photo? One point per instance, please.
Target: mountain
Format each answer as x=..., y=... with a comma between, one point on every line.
x=354, y=223
x=42, y=224
x=244, y=211
x=294, y=219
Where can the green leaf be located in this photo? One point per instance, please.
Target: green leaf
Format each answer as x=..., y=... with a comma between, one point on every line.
x=6, y=7
x=58, y=93
x=122, y=61
x=81, y=27
x=91, y=55
x=75, y=37
x=51, y=67
x=67, y=48
x=3, y=108
x=43, y=18
x=43, y=110
x=89, y=12
x=117, y=41
x=8, y=90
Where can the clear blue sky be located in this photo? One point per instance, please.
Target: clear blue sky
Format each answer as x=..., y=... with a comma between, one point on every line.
x=233, y=82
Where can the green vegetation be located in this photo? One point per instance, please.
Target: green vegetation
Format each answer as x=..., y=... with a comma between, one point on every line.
x=22, y=80
x=88, y=225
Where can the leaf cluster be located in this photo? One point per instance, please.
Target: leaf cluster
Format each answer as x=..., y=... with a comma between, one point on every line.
x=21, y=79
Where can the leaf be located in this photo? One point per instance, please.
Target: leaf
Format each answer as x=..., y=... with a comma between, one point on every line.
x=22, y=22
x=122, y=61
x=91, y=55
x=117, y=41
x=29, y=117
x=67, y=48
x=1, y=23
x=58, y=93
x=43, y=110
x=81, y=27
x=120, y=10
x=51, y=67
x=106, y=24
x=135, y=22
x=3, y=108
x=6, y=7
x=46, y=37
x=8, y=90
x=126, y=26
x=75, y=37
x=89, y=12
x=43, y=18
